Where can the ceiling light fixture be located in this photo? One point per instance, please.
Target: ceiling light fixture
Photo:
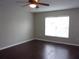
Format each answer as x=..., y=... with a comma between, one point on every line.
x=33, y=5
x=36, y=0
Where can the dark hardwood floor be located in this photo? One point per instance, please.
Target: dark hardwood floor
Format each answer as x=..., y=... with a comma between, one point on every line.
x=23, y=51
x=41, y=50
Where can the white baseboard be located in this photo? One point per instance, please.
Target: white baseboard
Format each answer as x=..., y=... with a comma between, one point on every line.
x=15, y=44
x=57, y=42
x=36, y=39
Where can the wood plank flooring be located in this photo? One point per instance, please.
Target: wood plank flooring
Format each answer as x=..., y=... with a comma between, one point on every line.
x=41, y=50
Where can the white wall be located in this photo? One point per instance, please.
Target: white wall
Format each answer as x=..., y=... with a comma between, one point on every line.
x=39, y=19
x=16, y=24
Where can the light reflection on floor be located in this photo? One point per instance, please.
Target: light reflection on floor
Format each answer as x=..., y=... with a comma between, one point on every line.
x=52, y=52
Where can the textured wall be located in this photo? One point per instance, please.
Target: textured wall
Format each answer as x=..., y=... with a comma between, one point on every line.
x=39, y=19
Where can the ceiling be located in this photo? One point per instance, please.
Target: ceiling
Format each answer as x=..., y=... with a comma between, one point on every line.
x=58, y=5
x=54, y=5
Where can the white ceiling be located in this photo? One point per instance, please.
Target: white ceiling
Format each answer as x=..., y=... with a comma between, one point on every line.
x=54, y=5
x=58, y=5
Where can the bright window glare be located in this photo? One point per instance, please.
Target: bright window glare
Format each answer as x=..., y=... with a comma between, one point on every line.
x=57, y=26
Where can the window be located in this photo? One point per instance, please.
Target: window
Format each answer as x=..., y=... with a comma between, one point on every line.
x=57, y=26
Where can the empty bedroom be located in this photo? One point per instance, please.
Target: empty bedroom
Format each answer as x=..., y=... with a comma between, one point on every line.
x=39, y=29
